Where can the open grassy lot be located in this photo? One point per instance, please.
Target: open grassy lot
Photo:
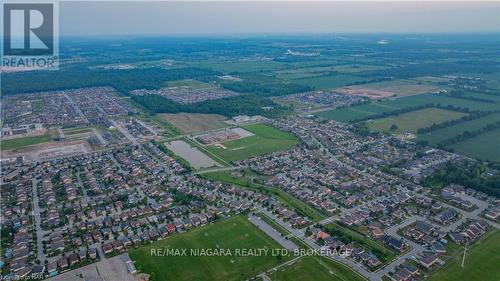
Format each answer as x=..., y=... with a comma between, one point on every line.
x=385, y=254
x=266, y=139
x=22, y=142
x=413, y=120
x=485, y=146
x=402, y=87
x=77, y=130
x=292, y=202
x=234, y=233
x=194, y=122
x=437, y=136
x=329, y=81
x=481, y=262
x=314, y=268
x=189, y=83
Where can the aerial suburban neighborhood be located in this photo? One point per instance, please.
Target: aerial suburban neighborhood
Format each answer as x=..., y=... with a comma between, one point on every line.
x=317, y=156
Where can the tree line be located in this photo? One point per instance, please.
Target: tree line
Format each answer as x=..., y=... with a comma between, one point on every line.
x=469, y=134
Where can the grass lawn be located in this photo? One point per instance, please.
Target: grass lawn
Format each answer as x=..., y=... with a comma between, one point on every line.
x=22, y=142
x=413, y=120
x=314, y=268
x=294, y=203
x=481, y=262
x=266, y=139
x=234, y=233
x=484, y=146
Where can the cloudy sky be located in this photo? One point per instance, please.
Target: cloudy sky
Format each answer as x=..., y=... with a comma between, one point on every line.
x=234, y=17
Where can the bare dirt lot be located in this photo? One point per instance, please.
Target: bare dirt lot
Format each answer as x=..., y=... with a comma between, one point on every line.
x=49, y=150
x=194, y=122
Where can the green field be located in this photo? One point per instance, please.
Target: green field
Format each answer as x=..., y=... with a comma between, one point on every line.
x=239, y=65
x=292, y=202
x=484, y=146
x=234, y=233
x=414, y=120
x=300, y=73
x=266, y=140
x=437, y=136
x=353, y=68
x=354, y=113
x=22, y=142
x=481, y=262
x=329, y=81
x=314, y=268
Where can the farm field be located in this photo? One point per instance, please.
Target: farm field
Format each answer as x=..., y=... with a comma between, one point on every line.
x=476, y=265
x=314, y=268
x=303, y=72
x=240, y=65
x=329, y=81
x=484, y=146
x=414, y=120
x=401, y=87
x=265, y=140
x=232, y=233
x=194, y=122
x=24, y=141
x=437, y=136
x=354, y=68
x=357, y=112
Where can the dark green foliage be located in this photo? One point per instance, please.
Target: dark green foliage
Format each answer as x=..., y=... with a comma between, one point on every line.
x=468, y=175
x=124, y=80
x=232, y=106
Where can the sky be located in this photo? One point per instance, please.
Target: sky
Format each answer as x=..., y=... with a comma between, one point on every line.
x=238, y=17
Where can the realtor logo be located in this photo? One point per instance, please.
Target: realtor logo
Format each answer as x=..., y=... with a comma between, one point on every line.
x=30, y=35
x=28, y=29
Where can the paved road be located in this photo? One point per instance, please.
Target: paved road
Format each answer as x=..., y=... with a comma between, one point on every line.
x=273, y=233
x=38, y=221
x=125, y=132
x=75, y=106
x=98, y=135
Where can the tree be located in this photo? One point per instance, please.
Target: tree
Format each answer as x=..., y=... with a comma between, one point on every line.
x=394, y=127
